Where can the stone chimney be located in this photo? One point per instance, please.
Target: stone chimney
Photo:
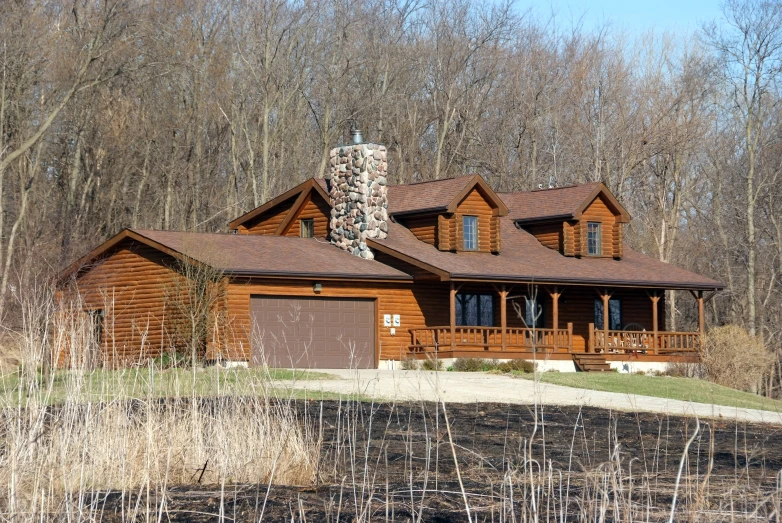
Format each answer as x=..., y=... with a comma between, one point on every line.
x=359, y=205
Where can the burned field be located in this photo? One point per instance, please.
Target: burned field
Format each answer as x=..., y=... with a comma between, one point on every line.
x=385, y=462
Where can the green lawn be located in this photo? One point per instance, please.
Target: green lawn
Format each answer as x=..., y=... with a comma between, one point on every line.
x=686, y=389
x=107, y=385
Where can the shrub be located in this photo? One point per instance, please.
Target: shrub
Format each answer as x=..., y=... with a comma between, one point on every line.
x=409, y=363
x=481, y=365
x=524, y=366
x=734, y=358
x=681, y=370
x=472, y=365
x=169, y=360
x=432, y=364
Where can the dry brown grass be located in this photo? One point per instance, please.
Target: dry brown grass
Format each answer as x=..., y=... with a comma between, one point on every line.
x=63, y=461
x=113, y=439
x=10, y=353
x=733, y=358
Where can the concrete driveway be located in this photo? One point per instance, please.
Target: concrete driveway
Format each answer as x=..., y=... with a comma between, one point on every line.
x=469, y=387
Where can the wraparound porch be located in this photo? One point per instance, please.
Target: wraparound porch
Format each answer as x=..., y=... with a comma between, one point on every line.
x=642, y=340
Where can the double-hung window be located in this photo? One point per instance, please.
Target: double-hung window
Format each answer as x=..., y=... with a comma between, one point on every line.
x=470, y=232
x=475, y=310
x=593, y=239
x=307, y=228
x=614, y=314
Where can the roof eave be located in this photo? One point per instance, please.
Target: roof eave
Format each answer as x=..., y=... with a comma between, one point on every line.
x=541, y=219
x=315, y=275
x=428, y=210
x=716, y=286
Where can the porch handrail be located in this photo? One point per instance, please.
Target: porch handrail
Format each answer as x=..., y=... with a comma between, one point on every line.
x=647, y=341
x=439, y=338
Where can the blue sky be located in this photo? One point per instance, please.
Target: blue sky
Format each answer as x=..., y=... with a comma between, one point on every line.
x=634, y=16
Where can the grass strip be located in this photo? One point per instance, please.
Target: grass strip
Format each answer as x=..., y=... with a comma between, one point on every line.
x=684, y=389
x=146, y=382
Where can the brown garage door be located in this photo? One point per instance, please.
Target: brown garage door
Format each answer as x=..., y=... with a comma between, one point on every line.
x=313, y=333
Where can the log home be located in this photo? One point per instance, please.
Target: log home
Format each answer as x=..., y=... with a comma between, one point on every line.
x=348, y=271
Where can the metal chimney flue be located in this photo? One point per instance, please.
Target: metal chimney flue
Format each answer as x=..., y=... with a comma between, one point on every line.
x=357, y=137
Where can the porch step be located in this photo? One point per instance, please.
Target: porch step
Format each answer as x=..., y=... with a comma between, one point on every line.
x=591, y=363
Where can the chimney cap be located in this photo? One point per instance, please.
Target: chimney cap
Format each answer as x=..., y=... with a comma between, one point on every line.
x=355, y=134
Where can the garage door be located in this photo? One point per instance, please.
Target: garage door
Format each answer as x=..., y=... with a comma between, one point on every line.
x=313, y=333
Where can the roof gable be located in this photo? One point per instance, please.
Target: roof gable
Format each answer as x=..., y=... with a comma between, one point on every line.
x=106, y=247
x=300, y=192
x=440, y=196
x=601, y=191
x=560, y=203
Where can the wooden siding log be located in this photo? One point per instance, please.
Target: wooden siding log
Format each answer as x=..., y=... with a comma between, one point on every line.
x=424, y=227
x=474, y=204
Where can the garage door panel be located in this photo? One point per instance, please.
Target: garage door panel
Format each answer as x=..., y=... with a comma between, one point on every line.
x=313, y=332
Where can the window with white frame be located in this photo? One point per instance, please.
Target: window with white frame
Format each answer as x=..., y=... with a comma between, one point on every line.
x=593, y=239
x=470, y=232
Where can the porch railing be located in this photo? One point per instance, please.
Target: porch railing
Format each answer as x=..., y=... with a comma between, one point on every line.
x=426, y=339
x=643, y=341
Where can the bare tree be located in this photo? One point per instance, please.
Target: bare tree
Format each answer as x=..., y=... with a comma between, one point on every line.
x=749, y=45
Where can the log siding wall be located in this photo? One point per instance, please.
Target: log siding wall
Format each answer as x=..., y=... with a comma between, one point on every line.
x=549, y=234
x=131, y=287
x=425, y=228
x=268, y=222
x=316, y=209
x=599, y=212
x=474, y=204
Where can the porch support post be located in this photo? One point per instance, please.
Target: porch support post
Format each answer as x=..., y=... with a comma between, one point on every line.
x=605, y=296
x=453, y=316
x=555, y=316
x=655, y=322
x=701, y=317
x=504, y=316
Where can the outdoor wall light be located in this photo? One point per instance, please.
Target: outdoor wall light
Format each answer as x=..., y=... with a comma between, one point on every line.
x=317, y=287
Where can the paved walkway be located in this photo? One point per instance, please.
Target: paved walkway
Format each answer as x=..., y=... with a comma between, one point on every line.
x=469, y=387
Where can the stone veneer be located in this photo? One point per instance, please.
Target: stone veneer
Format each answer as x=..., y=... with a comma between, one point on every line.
x=359, y=205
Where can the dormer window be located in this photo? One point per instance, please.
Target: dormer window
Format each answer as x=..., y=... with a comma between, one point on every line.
x=593, y=239
x=307, y=228
x=470, y=232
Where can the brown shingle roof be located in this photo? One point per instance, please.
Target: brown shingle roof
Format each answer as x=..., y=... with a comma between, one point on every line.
x=424, y=196
x=523, y=258
x=249, y=254
x=547, y=203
